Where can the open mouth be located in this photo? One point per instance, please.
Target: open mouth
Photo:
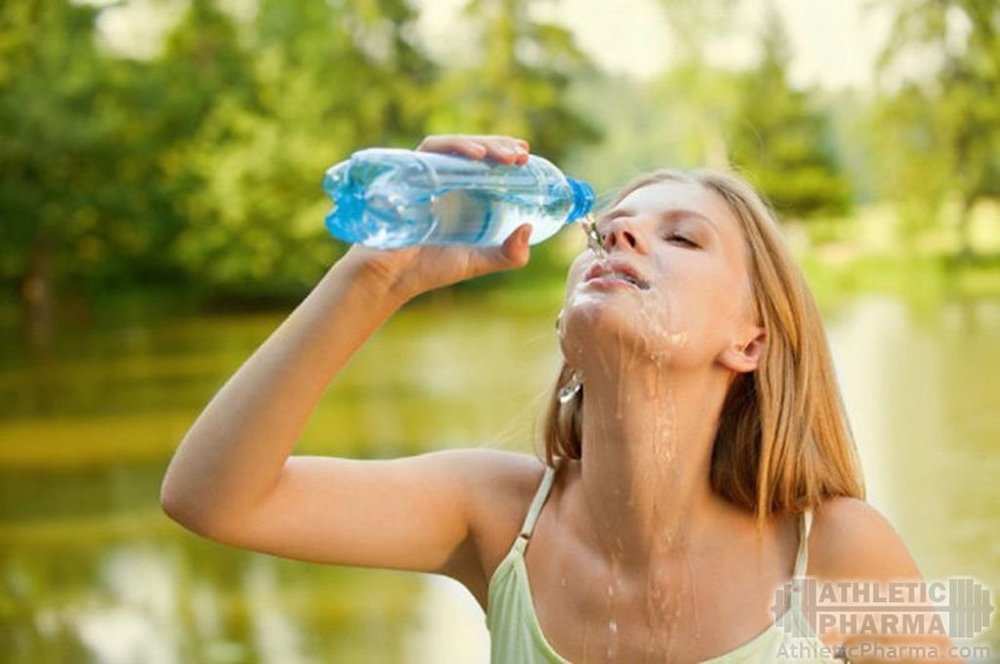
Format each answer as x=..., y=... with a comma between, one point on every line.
x=617, y=272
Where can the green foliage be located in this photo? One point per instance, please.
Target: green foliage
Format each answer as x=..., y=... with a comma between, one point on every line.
x=939, y=134
x=693, y=24
x=782, y=141
x=676, y=121
x=318, y=84
x=60, y=153
x=755, y=120
x=203, y=163
x=517, y=83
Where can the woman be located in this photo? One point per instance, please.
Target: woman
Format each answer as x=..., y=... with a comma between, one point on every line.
x=697, y=455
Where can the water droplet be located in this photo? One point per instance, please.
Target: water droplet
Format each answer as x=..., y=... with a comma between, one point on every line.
x=612, y=650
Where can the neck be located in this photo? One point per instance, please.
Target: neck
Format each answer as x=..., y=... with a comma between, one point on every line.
x=647, y=448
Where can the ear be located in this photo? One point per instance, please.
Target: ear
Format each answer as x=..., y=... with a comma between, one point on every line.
x=745, y=357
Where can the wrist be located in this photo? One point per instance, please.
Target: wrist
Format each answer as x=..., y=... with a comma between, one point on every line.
x=374, y=271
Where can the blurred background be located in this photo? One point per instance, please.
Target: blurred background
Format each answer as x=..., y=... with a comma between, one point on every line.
x=160, y=213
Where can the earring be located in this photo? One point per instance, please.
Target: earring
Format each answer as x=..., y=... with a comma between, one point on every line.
x=570, y=390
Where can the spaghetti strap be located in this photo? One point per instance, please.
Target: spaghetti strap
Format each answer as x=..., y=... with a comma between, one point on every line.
x=536, y=505
x=801, y=560
x=802, y=557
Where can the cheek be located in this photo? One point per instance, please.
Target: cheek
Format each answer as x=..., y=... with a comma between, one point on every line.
x=720, y=315
x=696, y=311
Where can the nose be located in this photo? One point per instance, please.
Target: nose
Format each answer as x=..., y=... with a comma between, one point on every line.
x=622, y=233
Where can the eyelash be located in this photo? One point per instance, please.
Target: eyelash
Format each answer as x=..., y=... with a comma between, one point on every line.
x=682, y=239
x=604, y=236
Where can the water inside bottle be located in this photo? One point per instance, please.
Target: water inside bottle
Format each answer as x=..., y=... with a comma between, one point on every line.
x=488, y=217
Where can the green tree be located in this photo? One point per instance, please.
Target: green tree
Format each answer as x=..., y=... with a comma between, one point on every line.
x=518, y=83
x=939, y=134
x=678, y=118
x=781, y=140
x=204, y=162
x=697, y=26
x=324, y=80
x=64, y=211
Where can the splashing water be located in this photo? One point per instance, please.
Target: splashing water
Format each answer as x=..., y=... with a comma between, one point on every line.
x=594, y=243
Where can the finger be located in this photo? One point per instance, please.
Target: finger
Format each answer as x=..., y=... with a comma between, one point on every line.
x=467, y=146
x=513, y=253
x=506, y=150
x=502, y=149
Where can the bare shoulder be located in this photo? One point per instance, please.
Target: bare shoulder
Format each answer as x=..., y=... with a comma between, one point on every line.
x=850, y=539
x=495, y=484
x=493, y=475
x=499, y=486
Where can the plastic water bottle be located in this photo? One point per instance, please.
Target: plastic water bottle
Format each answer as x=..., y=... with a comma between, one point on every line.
x=388, y=198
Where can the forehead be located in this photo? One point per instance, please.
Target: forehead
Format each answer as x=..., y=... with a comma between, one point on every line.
x=662, y=198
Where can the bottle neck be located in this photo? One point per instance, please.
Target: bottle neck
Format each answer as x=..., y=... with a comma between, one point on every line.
x=583, y=199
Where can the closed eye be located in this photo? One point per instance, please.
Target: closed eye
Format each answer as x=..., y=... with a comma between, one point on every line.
x=682, y=239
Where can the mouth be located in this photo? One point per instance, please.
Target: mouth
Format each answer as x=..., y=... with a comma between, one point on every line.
x=616, y=271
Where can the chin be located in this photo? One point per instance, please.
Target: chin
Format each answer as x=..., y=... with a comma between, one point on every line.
x=616, y=330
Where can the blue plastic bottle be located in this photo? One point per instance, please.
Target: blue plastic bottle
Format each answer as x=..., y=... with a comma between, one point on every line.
x=388, y=198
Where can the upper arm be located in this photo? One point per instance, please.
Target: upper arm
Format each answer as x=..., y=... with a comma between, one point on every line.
x=416, y=513
x=851, y=542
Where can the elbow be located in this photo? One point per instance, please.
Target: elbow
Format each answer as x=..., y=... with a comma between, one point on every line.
x=196, y=512
x=174, y=506
x=183, y=508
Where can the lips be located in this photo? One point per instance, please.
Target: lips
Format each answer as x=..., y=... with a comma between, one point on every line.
x=617, y=270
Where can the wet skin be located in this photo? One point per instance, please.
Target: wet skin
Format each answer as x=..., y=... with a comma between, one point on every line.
x=657, y=328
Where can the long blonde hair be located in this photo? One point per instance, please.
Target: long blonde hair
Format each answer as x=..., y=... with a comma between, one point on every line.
x=783, y=444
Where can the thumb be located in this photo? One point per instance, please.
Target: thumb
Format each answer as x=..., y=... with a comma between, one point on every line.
x=513, y=253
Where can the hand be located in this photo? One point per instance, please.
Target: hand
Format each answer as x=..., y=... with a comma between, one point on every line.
x=413, y=270
x=504, y=149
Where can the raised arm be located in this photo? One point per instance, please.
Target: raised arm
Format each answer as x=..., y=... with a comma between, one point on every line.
x=232, y=478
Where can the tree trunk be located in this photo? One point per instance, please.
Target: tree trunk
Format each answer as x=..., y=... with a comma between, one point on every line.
x=36, y=294
x=965, y=252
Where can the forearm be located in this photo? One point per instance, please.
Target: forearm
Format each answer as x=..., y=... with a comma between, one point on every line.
x=235, y=451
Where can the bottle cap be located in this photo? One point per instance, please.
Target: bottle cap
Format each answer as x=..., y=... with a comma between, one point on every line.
x=583, y=199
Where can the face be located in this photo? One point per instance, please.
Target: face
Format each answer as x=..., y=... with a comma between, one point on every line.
x=673, y=287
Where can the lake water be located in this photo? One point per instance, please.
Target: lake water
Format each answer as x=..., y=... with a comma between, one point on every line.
x=91, y=571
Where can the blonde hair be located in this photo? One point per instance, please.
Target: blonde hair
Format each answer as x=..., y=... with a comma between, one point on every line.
x=783, y=444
